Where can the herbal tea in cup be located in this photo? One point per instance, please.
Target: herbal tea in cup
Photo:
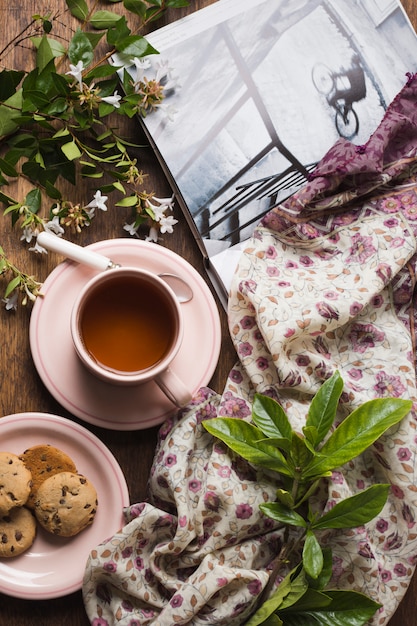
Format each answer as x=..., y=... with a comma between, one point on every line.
x=127, y=327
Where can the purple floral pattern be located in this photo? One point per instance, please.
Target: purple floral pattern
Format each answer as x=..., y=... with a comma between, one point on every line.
x=326, y=282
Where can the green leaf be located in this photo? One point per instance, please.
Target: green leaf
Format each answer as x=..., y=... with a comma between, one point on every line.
x=290, y=590
x=57, y=107
x=312, y=556
x=136, y=46
x=118, y=33
x=346, y=608
x=281, y=513
x=270, y=417
x=136, y=6
x=61, y=84
x=312, y=600
x=356, y=510
x=323, y=579
x=300, y=453
x=285, y=498
x=71, y=150
x=33, y=200
x=9, y=80
x=78, y=8
x=11, y=208
x=104, y=19
x=102, y=71
x=8, y=169
x=244, y=439
x=356, y=433
x=322, y=411
x=56, y=47
x=12, y=286
x=45, y=53
x=80, y=49
x=62, y=132
x=34, y=99
x=117, y=185
x=52, y=191
x=9, y=113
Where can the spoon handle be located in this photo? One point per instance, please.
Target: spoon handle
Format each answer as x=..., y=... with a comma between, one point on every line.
x=74, y=252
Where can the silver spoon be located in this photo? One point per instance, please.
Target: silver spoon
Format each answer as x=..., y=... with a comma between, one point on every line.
x=98, y=261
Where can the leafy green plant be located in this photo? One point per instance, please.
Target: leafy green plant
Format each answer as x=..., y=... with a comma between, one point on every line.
x=301, y=461
x=57, y=124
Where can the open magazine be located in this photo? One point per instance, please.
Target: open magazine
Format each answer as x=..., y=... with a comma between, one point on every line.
x=257, y=91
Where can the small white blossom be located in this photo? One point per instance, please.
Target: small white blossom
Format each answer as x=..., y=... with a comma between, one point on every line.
x=168, y=203
x=28, y=234
x=153, y=235
x=158, y=210
x=163, y=69
x=77, y=72
x=98, y=201
x=53, y=226
x=114, y=100
x=167, y=223
x=11, y=301
x=131, y=229
x=141, y=65
x=38, y=249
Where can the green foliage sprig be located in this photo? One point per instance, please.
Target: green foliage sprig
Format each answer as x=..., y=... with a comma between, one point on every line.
x=301, y=461
x=57, y=124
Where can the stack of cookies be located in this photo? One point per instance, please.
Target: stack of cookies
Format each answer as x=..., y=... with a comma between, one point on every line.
x=42, y=486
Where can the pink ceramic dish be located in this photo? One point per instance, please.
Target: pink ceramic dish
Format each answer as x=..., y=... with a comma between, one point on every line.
x=80, y=392
x=54, y=566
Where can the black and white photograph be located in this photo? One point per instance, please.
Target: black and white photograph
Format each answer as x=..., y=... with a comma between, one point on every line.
x=257, y=92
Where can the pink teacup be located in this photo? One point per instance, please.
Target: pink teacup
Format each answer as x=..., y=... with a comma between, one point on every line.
x=127, y=327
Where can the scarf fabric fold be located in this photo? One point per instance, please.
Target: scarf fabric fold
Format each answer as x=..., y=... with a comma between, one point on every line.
x=326, y=283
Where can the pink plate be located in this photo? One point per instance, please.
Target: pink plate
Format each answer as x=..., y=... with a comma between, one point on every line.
x=84, y=395
x=54, y=566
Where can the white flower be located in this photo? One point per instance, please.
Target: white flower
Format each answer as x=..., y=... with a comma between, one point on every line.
x=28, y=234
x=167, y=224
x=131, y=229
x=158, y=211
x=77, y=72
x=38, y=249
x=114, y=100
x=53, y=226
x=11, y=301
x=168, y=203
x=153, y=235
x=98, y=201
x=141, y=65
x=163, y=69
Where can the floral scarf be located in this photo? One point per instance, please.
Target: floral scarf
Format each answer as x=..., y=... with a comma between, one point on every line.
x=326, y=283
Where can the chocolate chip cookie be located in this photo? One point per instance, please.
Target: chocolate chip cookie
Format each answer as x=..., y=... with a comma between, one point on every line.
x=17, y=532
x=15, y=482
x=43, y=461
x=66, y=503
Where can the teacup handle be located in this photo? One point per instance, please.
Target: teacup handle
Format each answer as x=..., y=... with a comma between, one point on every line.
x=173, y=388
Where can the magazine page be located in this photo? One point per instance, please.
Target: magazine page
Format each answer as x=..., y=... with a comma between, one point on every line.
x=257, y=92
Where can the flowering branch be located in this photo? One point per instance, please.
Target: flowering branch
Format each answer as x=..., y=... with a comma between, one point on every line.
x=55, y=127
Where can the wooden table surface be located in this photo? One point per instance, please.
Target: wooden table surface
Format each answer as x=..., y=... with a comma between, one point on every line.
x=21, y=388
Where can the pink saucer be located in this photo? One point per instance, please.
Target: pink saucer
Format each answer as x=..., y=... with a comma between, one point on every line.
x=85, y=396
x=54, y=566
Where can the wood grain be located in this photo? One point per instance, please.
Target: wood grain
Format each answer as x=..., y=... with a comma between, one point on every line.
x=21, y=388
